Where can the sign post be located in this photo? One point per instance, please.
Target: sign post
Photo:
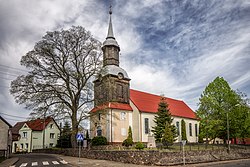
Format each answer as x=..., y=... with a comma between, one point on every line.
x=183, y=151
x=79, y=138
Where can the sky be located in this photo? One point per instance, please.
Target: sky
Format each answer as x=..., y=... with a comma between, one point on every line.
x=170, y=47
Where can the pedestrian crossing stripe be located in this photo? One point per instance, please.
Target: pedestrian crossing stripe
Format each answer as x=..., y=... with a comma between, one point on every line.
x=45, y=163
x=64, y=162
x=24, y=164
x=55, y=162
x=34, y=164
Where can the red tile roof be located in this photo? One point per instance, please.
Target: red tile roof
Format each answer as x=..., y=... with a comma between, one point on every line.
x=36, y=125
x=113, y=105
x=147, y=102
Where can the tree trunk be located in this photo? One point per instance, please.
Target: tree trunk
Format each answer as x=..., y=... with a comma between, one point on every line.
x=74, y=129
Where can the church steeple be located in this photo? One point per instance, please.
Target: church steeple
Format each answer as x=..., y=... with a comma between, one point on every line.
x=112, y=84
x=110, y=46
x=110, y=30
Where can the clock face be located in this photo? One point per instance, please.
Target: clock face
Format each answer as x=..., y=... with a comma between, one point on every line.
x=120, y=76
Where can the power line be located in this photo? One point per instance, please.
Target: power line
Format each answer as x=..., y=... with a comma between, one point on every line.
x=2, y=86
x=13, y=68
x=13, y=119
x=12, y=115
x=8, y=73
x=6, y=78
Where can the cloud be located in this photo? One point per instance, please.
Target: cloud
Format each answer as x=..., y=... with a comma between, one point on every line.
x=167, y=47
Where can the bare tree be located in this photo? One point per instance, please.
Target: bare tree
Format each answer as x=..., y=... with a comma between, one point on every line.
x=61, y=70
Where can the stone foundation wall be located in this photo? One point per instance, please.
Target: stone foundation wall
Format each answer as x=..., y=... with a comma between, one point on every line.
x=154, y=157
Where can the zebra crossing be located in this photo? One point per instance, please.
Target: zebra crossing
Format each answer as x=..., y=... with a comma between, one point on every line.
x=44, y=163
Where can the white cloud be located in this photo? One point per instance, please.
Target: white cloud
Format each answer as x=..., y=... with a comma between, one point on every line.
x=167, y=47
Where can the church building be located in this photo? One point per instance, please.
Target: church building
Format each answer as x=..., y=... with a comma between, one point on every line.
x=116, y=106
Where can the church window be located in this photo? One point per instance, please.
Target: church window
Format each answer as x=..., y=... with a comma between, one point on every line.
x=123, y=115
x=146, y=125
x=190, y=129
x=178, y=127
x=120, y=91
x=99, y=116
x=99, y=131
x=196, y=130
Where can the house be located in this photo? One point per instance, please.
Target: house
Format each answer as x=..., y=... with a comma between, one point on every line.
x=5, y=138
x=34, y=134
x=116, y=106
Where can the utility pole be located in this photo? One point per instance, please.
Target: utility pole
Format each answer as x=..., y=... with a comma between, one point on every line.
x=228, y=144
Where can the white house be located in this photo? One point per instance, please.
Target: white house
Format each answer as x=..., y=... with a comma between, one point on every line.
x=117, y=106
x=34, y=134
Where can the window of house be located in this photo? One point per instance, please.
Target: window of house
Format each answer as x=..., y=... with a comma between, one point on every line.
x=146, y=126
x=196, y=130
x=51, y=144
x=123, y=115
x=25, y=134
x=99, y=131
x=21, y=146
x=52, y=135
x=27, y=145
x=178, y=128
x=51, y=126
x=190, y=129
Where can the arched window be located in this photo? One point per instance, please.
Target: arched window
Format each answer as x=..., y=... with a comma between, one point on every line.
x=99, y=131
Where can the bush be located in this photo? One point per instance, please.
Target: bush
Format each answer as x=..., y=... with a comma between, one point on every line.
x=99, y=140
x=127, y=142
x=139, y=146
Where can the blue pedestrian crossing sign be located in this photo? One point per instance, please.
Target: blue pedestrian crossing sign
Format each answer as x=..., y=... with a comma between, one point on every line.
x=79, y=137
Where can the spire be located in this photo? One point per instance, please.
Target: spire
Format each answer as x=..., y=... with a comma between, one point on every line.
x=110, y=30
x=110, y=39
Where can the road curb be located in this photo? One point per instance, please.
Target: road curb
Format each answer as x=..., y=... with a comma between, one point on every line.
x=9, y=162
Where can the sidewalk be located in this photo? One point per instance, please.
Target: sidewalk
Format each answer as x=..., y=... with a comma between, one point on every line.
x=9, y=162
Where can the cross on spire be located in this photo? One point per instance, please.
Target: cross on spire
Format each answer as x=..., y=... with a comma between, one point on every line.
x=110, y=9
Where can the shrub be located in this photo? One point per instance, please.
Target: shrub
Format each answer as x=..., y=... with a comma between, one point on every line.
x=99, y=140
x=127, y=142
x=139, y=146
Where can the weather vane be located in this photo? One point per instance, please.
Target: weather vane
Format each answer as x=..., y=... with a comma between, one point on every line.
x=110, y=9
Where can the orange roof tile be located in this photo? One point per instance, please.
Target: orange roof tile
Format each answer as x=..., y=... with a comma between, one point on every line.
x=113, y=105
x=147, y=102
x=37, y=125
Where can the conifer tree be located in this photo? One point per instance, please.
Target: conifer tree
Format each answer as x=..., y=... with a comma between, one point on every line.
x=168, y=137
x=162, y=117
x=129, y=141
x=64, y=139
x=183, y=130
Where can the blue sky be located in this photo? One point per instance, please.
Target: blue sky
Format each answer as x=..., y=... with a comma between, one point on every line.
x=170, y=47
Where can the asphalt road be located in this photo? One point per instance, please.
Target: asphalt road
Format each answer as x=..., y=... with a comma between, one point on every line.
x=39, y=160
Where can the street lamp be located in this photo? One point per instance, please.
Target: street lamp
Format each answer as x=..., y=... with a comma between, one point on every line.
x=228, y=144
